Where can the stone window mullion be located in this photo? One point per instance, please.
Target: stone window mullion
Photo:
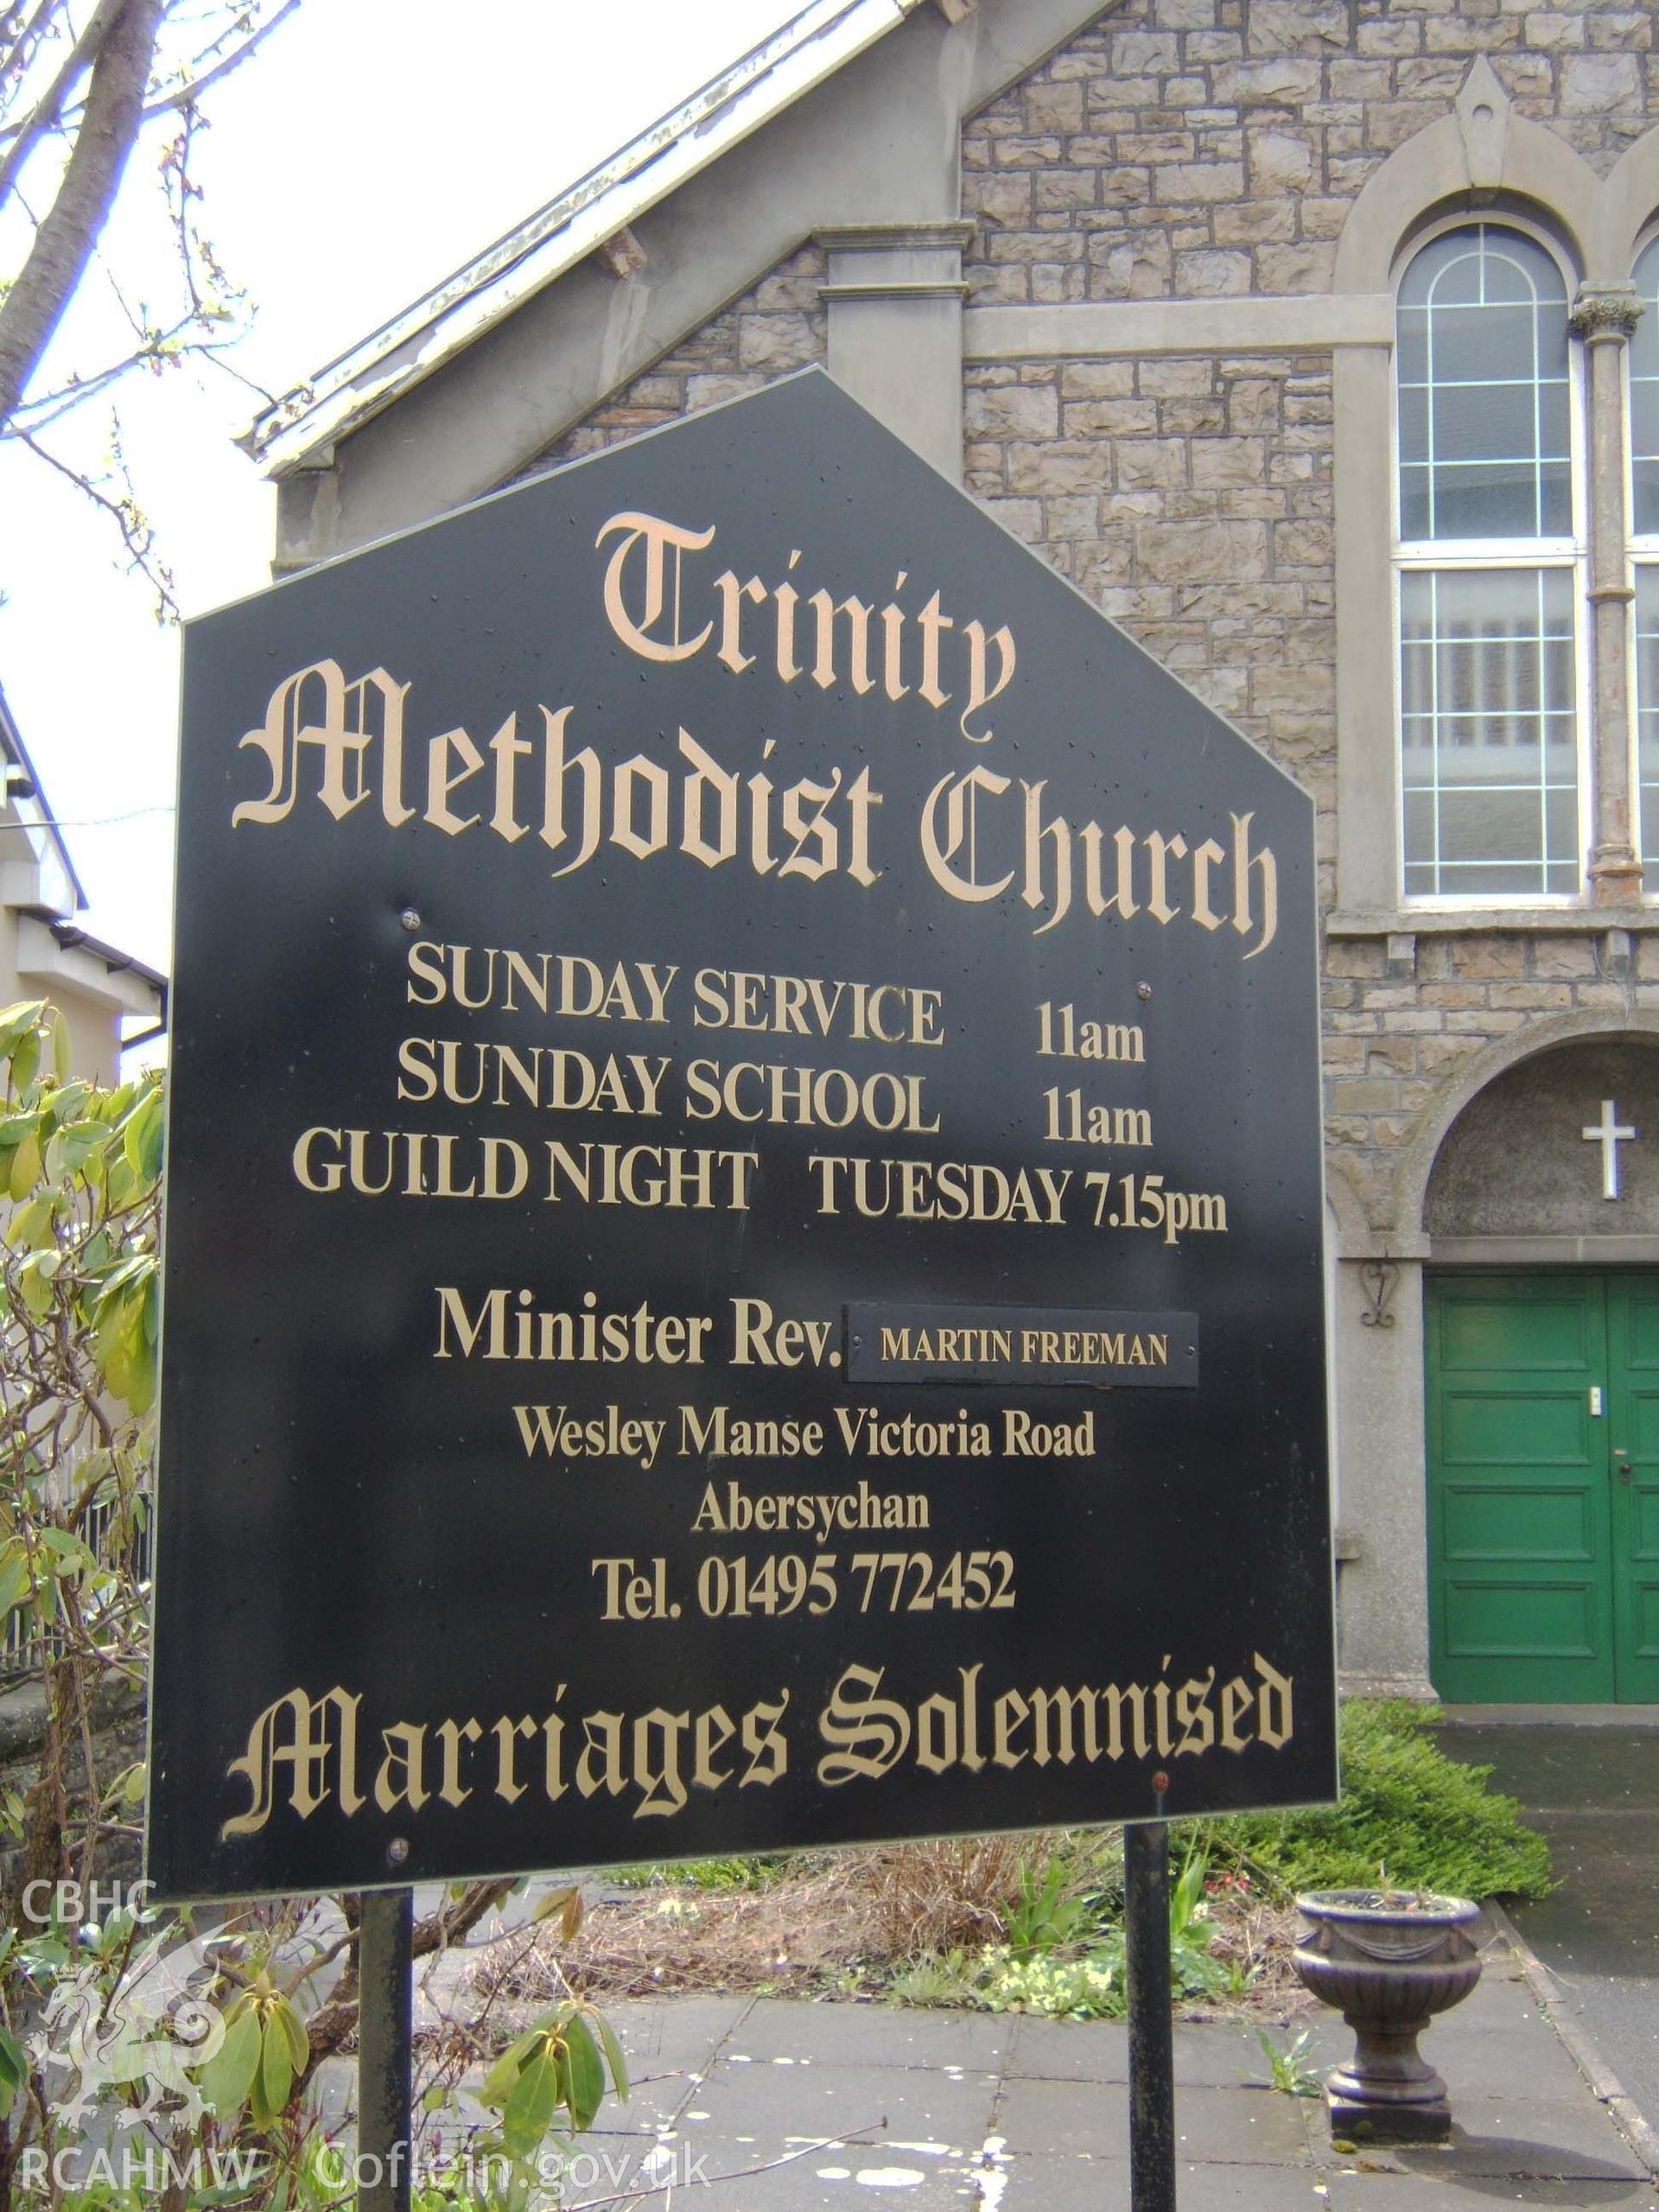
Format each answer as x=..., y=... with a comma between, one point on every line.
x=1604, y=318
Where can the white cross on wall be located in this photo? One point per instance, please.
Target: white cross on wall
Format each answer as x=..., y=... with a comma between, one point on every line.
x=1609, y=1133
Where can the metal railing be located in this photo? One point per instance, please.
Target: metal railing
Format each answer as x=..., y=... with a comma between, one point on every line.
x=25, y=1645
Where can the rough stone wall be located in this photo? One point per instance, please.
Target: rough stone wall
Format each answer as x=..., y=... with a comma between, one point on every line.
x=119, y=1741
x=1396, y=1035
x=1190, y=499
x=1212, y=148
x=778, y=326
x=1205, y=148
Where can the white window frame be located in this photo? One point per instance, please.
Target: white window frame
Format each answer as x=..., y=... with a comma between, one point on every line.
x=1440, y=555
x=1641, y=550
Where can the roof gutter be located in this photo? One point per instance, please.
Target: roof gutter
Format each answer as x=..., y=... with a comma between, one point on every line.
x=298, y=431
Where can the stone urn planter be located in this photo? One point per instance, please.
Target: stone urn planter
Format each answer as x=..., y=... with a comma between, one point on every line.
x=1389, y=1959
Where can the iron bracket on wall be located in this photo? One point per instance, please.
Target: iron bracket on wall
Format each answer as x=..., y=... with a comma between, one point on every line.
x=1380, y=1278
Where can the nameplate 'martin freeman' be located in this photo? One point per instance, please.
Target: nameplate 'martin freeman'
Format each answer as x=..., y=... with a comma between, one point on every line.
x=1036, y=1343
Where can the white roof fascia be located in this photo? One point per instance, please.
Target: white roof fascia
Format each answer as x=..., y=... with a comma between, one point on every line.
x=22, y=806
x=812, y=46
x=97, y=971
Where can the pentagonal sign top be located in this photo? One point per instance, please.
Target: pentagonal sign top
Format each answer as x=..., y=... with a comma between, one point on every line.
x=743, y=1244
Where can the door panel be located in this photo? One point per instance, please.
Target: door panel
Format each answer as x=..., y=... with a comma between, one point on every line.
x=1521, y=1618
x=1536, y=1427
x=1499, y=1524
x=1489, y=1325
x=1633, y=1445
x=1520, y=1575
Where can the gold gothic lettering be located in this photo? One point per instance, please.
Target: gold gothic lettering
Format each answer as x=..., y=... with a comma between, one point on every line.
x=302, y=1754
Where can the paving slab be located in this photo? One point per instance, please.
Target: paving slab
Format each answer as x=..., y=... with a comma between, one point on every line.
x=656, y=2102
x=1499, y=2060
x=1560, y=2143
x=778, y=2102
x=1237, y=2125
x=1069, y=2050
x=795, y=2130
x=1215, y=2053
x=1241, y=2126
x=1556, y=2143
x=1491, y=2045
x=1353, y=2191
x=836, y=2181
x=1062, y=2119
x=1079, y=2184
x=845, y=2034
x=659, y=2032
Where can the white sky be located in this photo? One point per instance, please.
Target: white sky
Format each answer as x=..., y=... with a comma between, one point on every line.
x=372, y=147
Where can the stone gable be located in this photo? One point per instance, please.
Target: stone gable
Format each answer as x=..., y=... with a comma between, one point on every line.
x=776, y=327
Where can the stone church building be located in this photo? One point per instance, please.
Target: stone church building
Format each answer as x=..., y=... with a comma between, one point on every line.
x=1317, y=341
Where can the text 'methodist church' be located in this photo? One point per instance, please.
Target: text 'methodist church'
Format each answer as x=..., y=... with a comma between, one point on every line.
x=1317, y=341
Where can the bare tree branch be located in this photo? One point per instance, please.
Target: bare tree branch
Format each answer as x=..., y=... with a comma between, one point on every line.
x=188, y=94
x=31, y=310
x=15, y=58
x=191, y=87
x=79, y=81
x=215, y=355
x=177, y=167
x=155, y=347
x=34, y=415
x=48, y=109
x=135, y=533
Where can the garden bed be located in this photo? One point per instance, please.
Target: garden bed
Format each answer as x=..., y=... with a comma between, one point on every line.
x=1034, y=1923
x=930, y=1923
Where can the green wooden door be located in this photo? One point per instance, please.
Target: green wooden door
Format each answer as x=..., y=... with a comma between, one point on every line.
x=1633, y=1448
x=1543, y=1487
x=1520, y=1577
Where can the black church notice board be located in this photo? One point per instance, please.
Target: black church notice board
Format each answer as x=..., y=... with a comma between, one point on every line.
x=743, y=1236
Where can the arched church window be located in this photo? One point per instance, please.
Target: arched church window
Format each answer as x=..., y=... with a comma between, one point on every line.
x=1488, y=551
x=1643, y=363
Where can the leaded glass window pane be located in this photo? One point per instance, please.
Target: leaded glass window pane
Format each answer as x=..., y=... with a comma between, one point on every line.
x=1489, y=732
x=1644, y=398
x=1481, y=370
x=1647, y=708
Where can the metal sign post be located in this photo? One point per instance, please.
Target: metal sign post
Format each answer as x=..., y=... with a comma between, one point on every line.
x=384, y=2049
x=1152, y=2060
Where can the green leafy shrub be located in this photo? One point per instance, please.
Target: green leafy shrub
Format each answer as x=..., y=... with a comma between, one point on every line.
x=1087, y=1988
x=1409, y=1815
x=139, y=2032
x=1043, y=1916
x=1065, y=1957
x=754, y=1873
